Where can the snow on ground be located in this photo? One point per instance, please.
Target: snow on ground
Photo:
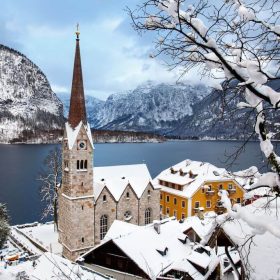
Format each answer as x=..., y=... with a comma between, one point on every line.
x=20, y=238
x=11, y=272
x=49, y=267
x=45, y=235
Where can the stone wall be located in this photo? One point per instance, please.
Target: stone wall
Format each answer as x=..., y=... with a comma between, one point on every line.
x=128, y=203
x=107, y=208
x=149, y=199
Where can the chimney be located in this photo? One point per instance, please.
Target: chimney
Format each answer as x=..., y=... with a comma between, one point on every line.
x=157, y=226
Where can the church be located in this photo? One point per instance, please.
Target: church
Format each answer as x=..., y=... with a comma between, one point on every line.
x=91, y=198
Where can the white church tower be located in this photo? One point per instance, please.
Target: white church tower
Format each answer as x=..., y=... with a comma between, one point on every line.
x=75, y=198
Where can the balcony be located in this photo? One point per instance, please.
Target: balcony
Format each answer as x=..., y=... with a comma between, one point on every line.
x=231, y=191
x=210, y=192
x=198, y=209
x=219, y=205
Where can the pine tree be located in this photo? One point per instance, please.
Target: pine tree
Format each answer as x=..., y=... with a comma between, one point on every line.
x=4, y=225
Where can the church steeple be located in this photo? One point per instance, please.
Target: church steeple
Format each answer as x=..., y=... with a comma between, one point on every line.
x=77, y=111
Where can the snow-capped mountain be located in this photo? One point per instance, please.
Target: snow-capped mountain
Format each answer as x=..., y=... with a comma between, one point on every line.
x=217, y=116
x=150, y=107
x=28, y=106
x=182, y=110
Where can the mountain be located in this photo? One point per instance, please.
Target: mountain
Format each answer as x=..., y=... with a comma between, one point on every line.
x=177, y=111
x=28, y=106
x=150, y=107
x=217, y=116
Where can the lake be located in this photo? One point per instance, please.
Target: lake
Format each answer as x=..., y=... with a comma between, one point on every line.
x=20, y=165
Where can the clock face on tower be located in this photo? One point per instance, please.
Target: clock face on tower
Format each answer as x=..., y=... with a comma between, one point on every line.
x=82, y=145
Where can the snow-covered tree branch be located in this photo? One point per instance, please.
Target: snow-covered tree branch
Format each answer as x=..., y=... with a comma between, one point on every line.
x=50, y=179
x=226, y=40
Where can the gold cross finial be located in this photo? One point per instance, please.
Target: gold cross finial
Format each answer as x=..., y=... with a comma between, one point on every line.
x=77, y=31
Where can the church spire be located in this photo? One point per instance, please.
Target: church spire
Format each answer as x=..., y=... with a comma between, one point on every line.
x=77, y=111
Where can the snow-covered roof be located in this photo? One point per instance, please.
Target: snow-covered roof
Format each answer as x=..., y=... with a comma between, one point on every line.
x=191, y=175
x=264, y=245
x=50, y=266
x=73, y=133
x=43, y=234
x=142, y=244
x=116, y=178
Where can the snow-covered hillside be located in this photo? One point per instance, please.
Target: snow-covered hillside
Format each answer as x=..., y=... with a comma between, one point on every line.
x=150, y=107
x=28, y=106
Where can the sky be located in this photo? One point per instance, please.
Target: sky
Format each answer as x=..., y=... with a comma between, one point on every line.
x=114, y=57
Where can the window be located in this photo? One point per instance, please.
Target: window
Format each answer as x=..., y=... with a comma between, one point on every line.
x=229, y=186
x=81, y=164
x=183, y=216
x=127, y=195
x=208, y=204
x=85, y=165
x=196, y=204
x=127, y=216
x=104, y=198
x=161, y=196
x=220, y=187
x=66, y=163
x=148, y=212
x=160, y=208
x=103, y=226
x=83, y=240
x=183, y=204
x=167, y=211
x=82, y=207
x=209, y=188
x=175, y=214
x=149, y=193
x=203, y=190
x=238, y=200
x=78, y=164
x=175, y=200
x=167, y=198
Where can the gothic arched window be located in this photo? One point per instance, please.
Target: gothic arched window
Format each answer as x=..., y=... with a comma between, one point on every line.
x=148, y=215
x=103, y=226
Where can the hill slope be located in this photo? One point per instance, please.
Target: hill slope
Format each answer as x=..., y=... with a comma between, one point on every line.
x=28, y=106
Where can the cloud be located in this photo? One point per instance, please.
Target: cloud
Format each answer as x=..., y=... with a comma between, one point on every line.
x=114, y=57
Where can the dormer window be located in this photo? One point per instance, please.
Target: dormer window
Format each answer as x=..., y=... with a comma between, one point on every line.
x=172, y=170
x=163, y=252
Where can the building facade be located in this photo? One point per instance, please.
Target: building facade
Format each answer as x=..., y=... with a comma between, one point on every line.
x=90, y=199
x=191, y=187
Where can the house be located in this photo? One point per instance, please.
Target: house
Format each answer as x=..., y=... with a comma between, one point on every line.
x=161, y=250
x=91, y=198
x=190, y=187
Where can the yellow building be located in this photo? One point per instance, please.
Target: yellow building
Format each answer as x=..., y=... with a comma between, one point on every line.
x=191, y=186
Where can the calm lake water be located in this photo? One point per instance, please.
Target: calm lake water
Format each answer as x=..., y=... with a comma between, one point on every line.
x=20, y=164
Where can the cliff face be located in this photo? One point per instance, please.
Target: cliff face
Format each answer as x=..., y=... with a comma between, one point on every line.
x=28, y=106
x=151, y=107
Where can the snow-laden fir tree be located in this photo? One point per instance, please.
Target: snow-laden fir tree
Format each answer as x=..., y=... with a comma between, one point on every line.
x=4, y=225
